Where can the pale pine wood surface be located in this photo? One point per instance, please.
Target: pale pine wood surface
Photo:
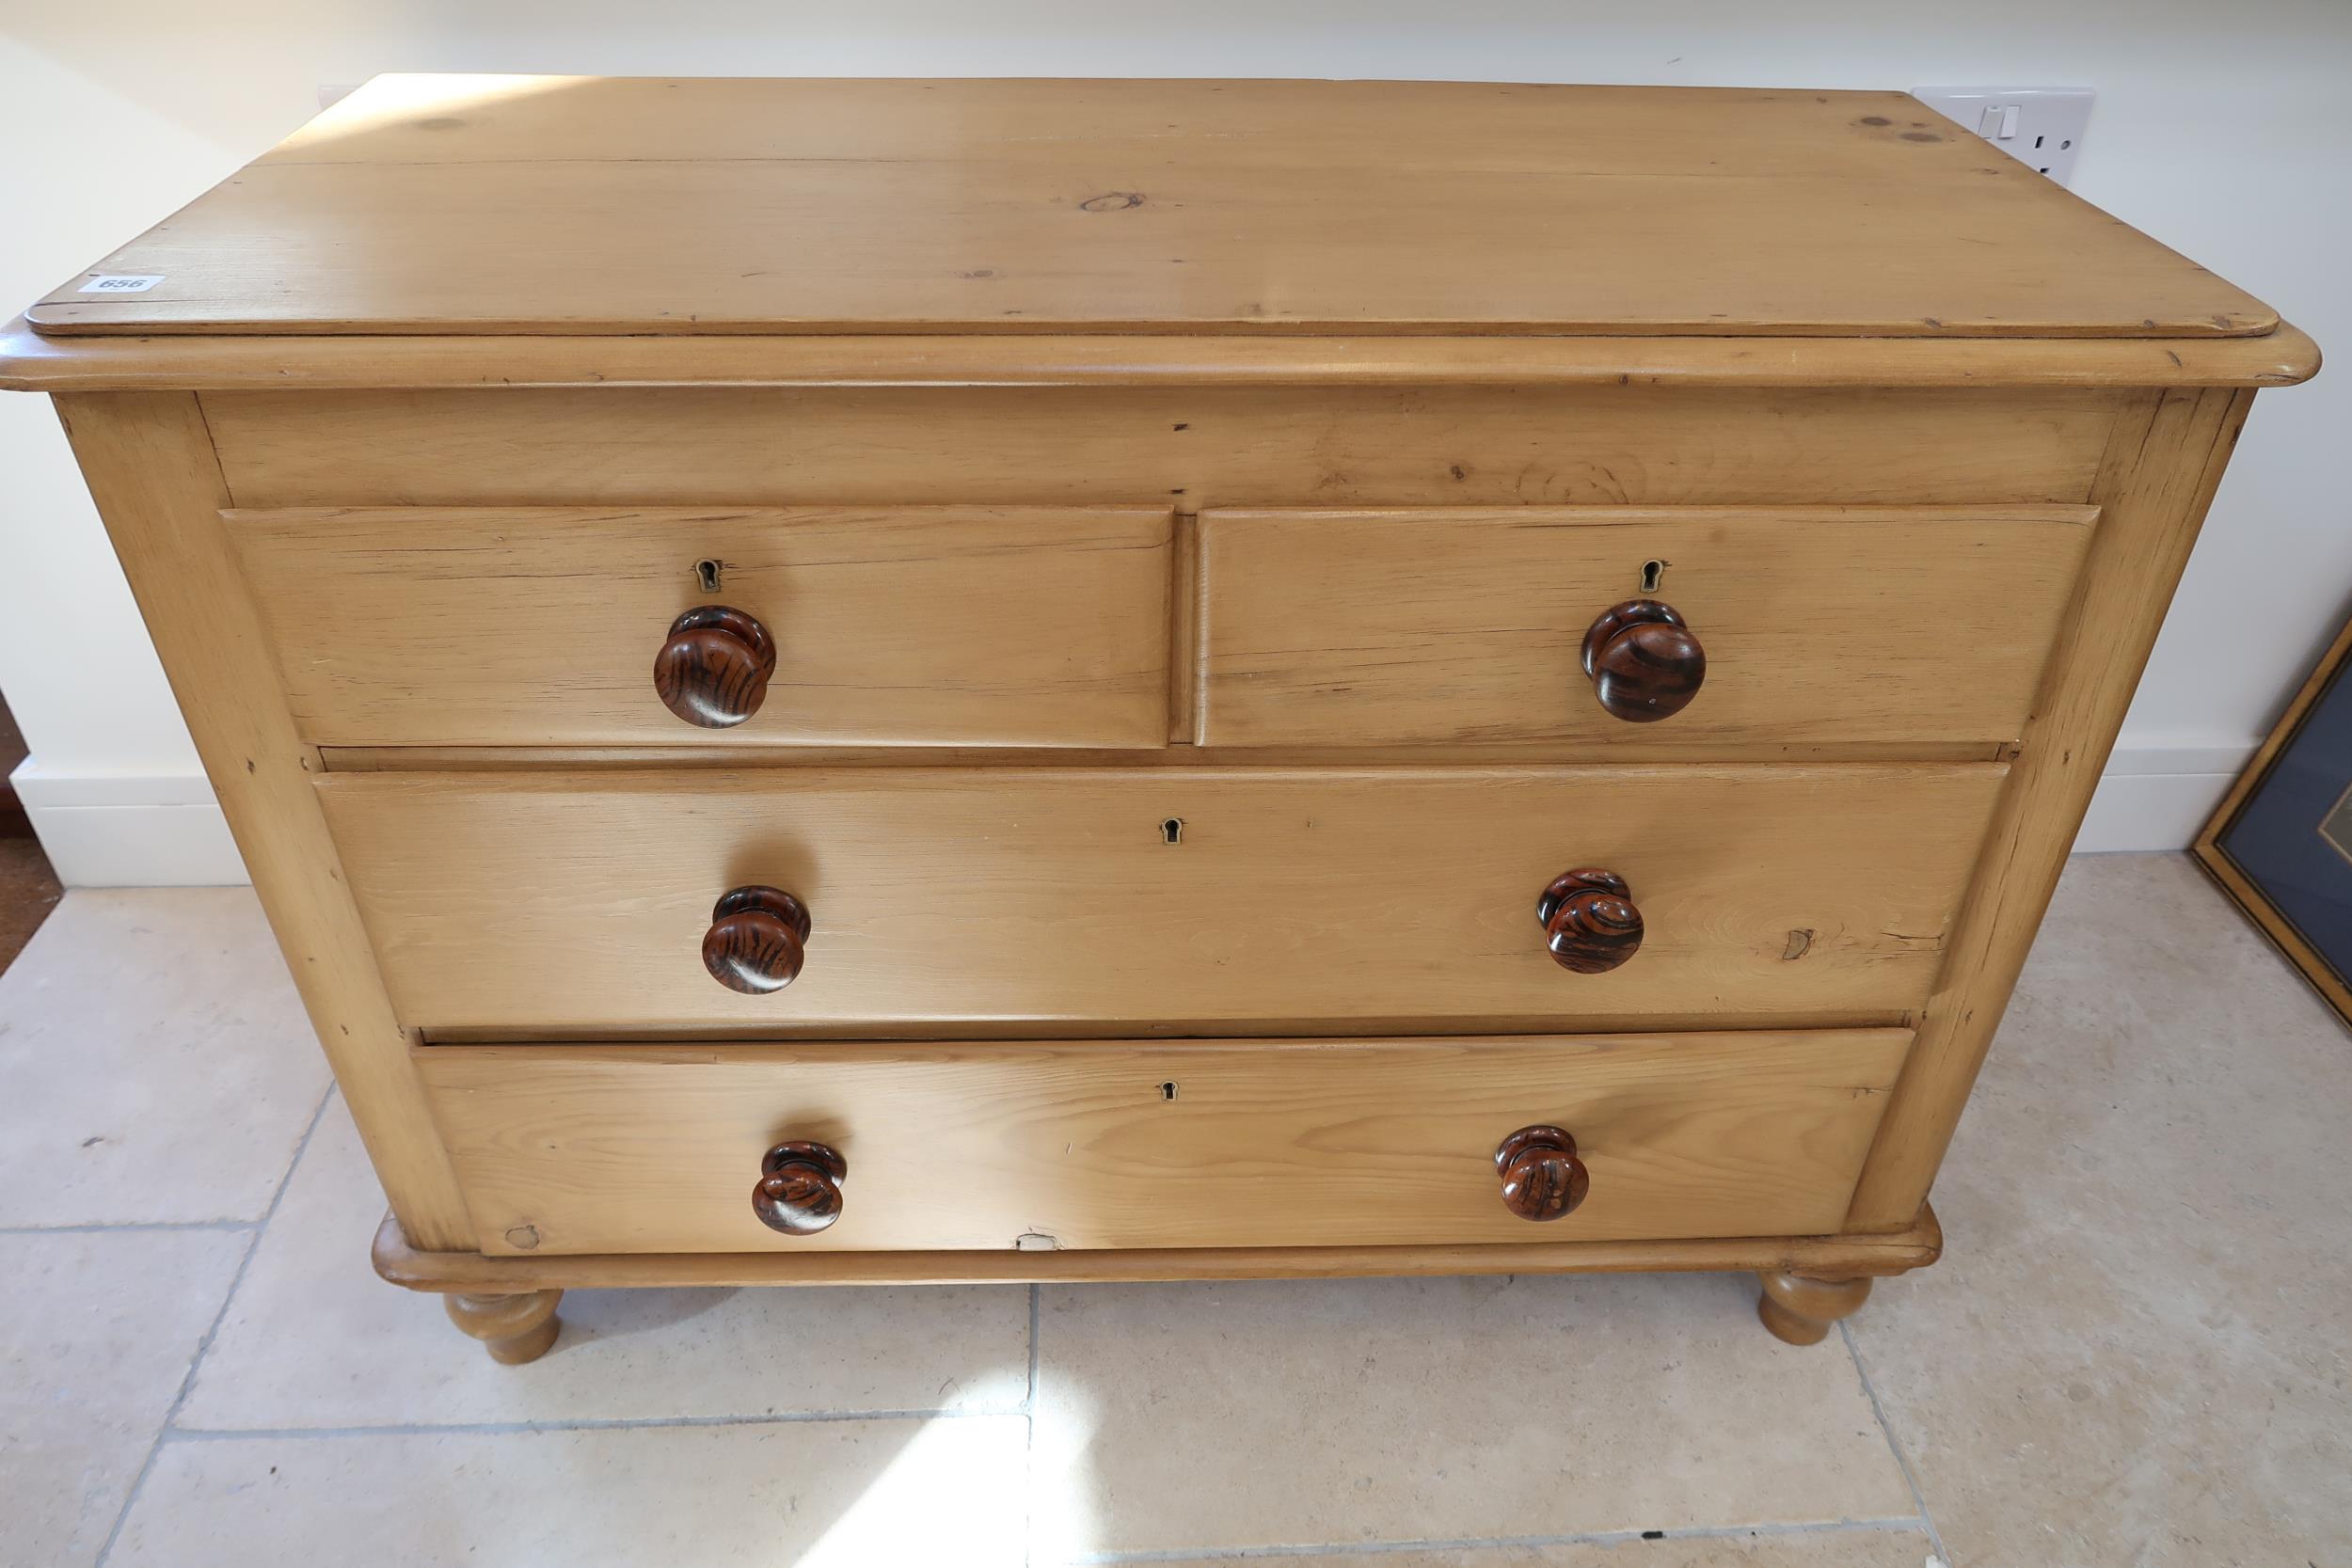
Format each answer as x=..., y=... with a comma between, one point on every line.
x=913, y=625
x=1189, y=449
x=1840, y=1257
x=1267, y=1143
x=158, y=490
x=1655, y=743
x=2158, y=479
x=471, y=204
x=1917, y=624
x=1180, y=308
x=555, y=902
x=29, y=361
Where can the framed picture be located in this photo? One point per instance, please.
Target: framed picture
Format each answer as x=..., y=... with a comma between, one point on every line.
x=2281, y=842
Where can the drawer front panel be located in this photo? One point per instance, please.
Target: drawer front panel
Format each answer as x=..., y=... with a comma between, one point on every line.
x=1264, y=1143
x=975, y=625
x=554, y=904
x=1831, y=625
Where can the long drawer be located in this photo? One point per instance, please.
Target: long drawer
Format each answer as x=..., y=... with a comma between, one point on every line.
x=897, y=625
x=553, y=904
x=1107, y=1144
x=1831, y=624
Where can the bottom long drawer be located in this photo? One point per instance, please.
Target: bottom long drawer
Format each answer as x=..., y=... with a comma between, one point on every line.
x=1116, y=1144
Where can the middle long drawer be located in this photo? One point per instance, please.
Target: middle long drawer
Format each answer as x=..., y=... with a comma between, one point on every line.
x=550, y=903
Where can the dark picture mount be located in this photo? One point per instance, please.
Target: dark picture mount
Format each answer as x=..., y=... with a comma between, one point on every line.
x=2281, y=842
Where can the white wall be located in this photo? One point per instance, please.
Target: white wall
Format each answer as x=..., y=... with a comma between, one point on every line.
x=2225, y=131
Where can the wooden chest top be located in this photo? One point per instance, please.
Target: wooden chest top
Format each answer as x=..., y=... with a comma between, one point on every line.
x=445, y=205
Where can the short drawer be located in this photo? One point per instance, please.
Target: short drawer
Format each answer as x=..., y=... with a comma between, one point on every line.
x=552, y=904
x=970, y=626
x=1818, y=624
x=1110, y=1144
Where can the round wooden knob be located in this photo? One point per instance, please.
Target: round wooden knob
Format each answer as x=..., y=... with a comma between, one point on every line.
x=1590, y=924
x=713, y=671
x=757, y=939
x=1542, y=1177
x=800, y=1188
x=1643, y=663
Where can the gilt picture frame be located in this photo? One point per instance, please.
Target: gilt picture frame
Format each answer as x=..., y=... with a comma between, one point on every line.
x=2280, y=843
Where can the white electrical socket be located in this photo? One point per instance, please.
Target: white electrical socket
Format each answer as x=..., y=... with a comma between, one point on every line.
x=2041, y=127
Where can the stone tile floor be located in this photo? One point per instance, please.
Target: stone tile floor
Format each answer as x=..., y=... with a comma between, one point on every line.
x=2135, y=1354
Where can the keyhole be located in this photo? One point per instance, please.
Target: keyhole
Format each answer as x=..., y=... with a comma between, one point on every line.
x=1168, y=1091
x=1652, y=573
x=1173, y=832
x=707, y=573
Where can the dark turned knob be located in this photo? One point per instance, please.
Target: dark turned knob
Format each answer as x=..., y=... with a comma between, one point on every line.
x=756, y=939
x=714, y=668
x=1643, y=663
x=1542, y=1177
x=800, y=1188
x=1590, y=924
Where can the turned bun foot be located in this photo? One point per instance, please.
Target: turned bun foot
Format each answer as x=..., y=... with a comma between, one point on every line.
x=1800, y=1310
x=514, y=1329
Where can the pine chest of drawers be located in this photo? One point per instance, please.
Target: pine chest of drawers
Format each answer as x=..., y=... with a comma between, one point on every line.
x=836, y=682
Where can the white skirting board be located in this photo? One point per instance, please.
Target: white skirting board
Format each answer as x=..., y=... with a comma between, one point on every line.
x=129, y=830
x=148, y=831
x=2158, y=797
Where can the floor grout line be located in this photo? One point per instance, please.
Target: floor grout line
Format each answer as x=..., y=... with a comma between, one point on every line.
x=1902, y=1460
x=1028, y=1453
x=1498, y=1543
x=617, y=1423
x=204, y=1345
x=1028, y=1403
x=99, y=1226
